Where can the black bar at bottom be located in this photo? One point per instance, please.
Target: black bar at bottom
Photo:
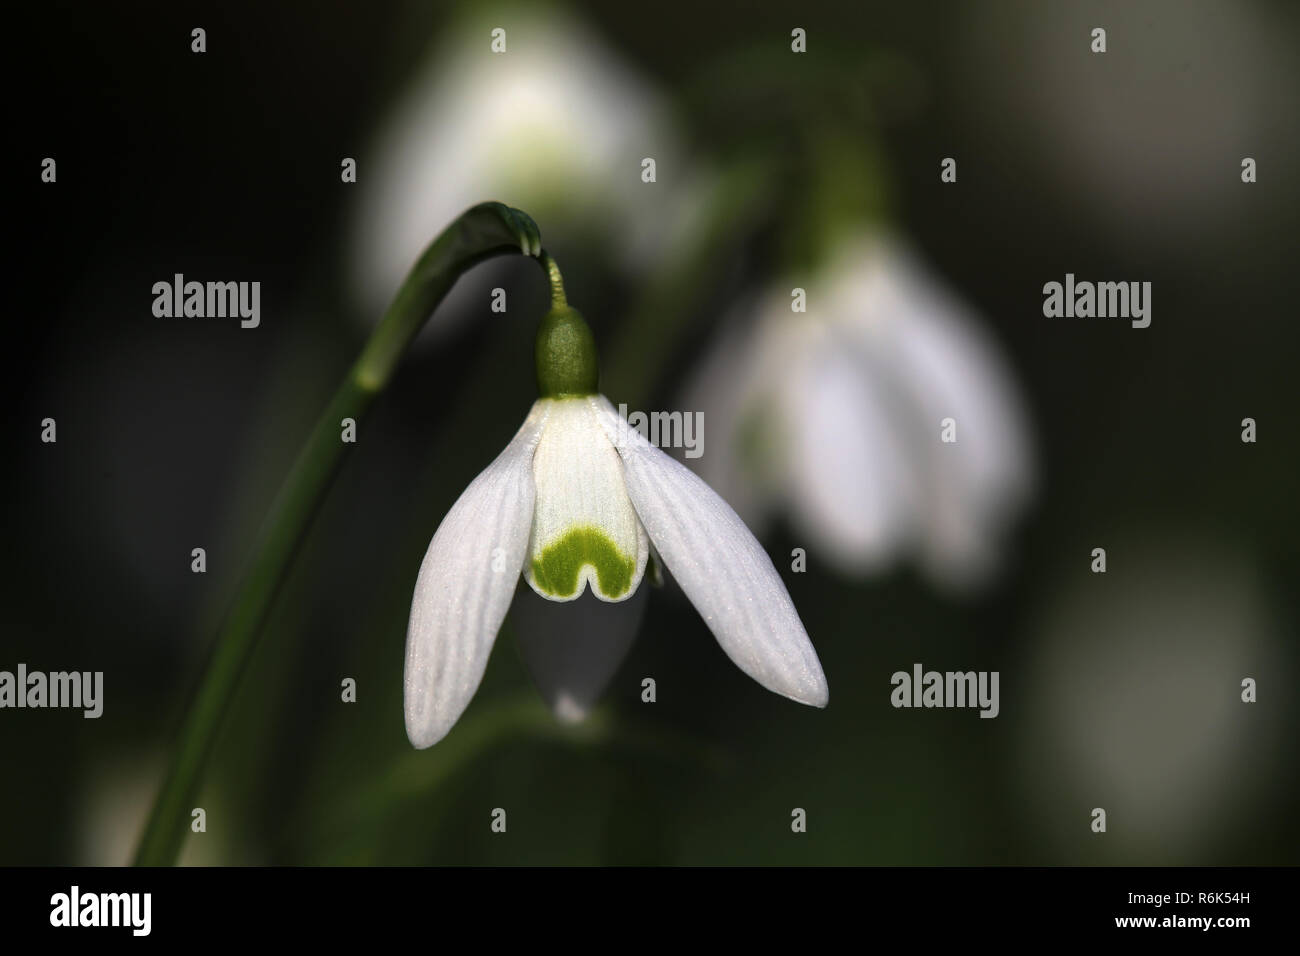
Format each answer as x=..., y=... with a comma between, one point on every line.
x=330, y=907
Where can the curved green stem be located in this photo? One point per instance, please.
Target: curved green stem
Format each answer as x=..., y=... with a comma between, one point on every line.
x=485, y=230
x=553, y=276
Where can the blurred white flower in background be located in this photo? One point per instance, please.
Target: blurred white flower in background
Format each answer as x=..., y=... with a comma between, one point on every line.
x=557, y=125
x=834, y=416
x=1133, y=702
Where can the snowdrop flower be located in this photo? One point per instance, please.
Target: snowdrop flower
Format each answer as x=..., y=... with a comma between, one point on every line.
x=576, y=501
x=556, y=124
x=853, y=395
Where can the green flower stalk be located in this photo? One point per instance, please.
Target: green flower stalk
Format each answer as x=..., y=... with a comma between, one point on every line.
x=565, y=350
x=486, y=230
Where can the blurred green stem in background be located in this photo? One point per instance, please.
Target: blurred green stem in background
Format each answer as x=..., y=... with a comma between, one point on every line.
x=385, y=795
x=486, y=230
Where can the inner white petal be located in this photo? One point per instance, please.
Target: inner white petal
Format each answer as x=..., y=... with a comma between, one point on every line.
x=585, y=530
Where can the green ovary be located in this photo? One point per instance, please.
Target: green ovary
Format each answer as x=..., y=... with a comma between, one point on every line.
x=556, y=569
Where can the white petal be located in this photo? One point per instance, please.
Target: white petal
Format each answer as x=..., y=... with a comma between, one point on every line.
x=465, y=585
x=851, y=479
x=585, y=530
x=471, y=125
x=572, y=650
x=956, y=370
x=732, y=386
x=931, y=355
x=720, y=566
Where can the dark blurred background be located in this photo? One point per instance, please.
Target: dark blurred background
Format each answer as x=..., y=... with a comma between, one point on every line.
x=1118, y=691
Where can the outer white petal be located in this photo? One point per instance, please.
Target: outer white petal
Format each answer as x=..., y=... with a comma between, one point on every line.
x=573, y=649
x=732, y=386
x=720, y=566
x=465, y=586
x=931, y=353
x=852, y=482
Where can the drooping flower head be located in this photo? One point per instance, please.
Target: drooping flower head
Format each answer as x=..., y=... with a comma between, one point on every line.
x=493, y=109
x=577, y=500
x=893, y=428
